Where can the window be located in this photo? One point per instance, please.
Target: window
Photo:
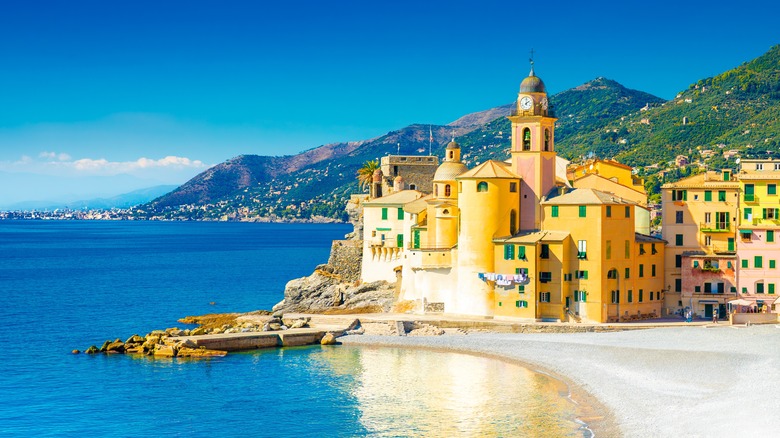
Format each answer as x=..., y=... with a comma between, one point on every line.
x=678, y=217
x=526, y=139
x=509, y=252
x=612, y=273
x=758, y=262
x=545, y=277
x=581, y=275
x=609, y=249
x=399, y=240
x=697, y=288
x=544, y=297
x=744, y=263
x=652, y=249
x=678, y=284
x=512, y=222
x=707, y=288
x=695, y=263
x=771, y=213
x=609, y=211
x=400, y=214
x=726, y=175
x=521, y=304
x=554, y=211
x=615, y=296
x=582, y=295
x=679, y=195
x=482, y=186
x=707, y=218
x=652, y=270
x=566, y=277
x=707, y=240
x=759, y=166
x=641, y=271
x=630, y=296
x=678, y=239
x=707, y=195
x=678, y=261
x=770, y=236
x=750, y=190
x=628, y=273
x=582, y=249
x=628, y=249
x=721, y=196
x=546, y=139
x=640, y=295
x=447, y=190
x=583, y=211
x=545, y=252
x=513, y=187
x=642, y=249
x=772, y=264
x=759, y=288
x=747, y=214
x=521, y=289
x=384, y=213
x=628, y=211
x=771, y=189
x=521, y=252
x=746, y=235
x=771, y=288
x=733, y=289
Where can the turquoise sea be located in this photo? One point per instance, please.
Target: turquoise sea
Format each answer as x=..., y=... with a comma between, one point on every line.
x=71, y=284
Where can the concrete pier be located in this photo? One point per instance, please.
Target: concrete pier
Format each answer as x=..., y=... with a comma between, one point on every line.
x=255, y=340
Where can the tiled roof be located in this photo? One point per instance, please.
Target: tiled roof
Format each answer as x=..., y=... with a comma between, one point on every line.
x=489, y=169
x=397, y=198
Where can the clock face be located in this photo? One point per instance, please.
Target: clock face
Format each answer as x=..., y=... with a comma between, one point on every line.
x=526, y=103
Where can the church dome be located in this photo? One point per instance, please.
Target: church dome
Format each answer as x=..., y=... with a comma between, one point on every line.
x=377, y=176
x=453, y=145
x=532, y=84
x=448, y=170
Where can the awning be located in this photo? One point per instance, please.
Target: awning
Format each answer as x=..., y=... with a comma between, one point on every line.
x=384, y=229
x=709, y=301
x=741, y=302
x=746, y=231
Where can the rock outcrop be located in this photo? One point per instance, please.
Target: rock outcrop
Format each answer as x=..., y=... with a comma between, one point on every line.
x=326, y=292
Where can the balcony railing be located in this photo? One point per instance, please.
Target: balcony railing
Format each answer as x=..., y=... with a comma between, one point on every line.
x=750, y=198
x=715, y=227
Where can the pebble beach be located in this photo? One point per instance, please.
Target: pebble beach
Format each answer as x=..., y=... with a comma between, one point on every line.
x=702, y=381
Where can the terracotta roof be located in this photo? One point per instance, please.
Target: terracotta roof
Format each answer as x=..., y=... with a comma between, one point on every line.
x=397, y=198
x=490, y=169
x=418, y=205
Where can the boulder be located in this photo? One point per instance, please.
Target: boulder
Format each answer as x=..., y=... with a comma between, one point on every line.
x=92, y=350
x=135, y=339
x=76, y=352
x=105, y=346
x=320, y=293
x=198, y=331
x=187, y=343
x=164, y=351
x=328, y=339
x=137, y=349
x=274, y=326
x=300, y=323
x=116, y=347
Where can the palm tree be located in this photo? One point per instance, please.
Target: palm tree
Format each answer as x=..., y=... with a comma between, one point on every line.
x=366, y=173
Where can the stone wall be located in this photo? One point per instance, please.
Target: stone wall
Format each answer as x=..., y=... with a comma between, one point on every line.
x=345, y=258
x=416, y=171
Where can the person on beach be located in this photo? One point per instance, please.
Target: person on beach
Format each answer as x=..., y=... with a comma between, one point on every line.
x=715, y=316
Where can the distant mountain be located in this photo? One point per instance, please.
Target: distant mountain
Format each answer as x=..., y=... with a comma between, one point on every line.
x=738, y=109
x=125, y=200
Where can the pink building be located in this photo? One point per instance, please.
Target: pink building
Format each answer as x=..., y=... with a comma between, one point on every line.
x=758, y=252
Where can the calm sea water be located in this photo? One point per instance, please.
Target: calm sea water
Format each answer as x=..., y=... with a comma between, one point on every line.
x=69, y=285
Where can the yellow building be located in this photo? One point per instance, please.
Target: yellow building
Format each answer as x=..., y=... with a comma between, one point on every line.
x=514, y=240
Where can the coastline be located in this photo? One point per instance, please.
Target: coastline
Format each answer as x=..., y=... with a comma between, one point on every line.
x=671, y=381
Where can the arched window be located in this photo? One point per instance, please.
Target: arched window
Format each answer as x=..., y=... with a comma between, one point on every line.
x=447, y=190
x=512, y=222
x=435, y=190
x=445, y=211
x=526, y=139
x=547, y=139
x=482, y=186
x=412, y=187
x=451, y=154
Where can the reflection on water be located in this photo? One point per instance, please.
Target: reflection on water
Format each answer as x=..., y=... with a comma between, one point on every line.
x=402, y=392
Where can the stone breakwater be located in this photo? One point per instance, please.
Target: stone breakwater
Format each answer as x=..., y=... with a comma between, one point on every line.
x=185, y=343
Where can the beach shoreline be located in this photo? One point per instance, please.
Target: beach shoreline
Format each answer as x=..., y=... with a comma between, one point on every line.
x=669, y=381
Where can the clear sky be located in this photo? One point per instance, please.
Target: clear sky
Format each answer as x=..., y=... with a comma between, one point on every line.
x=158, y=90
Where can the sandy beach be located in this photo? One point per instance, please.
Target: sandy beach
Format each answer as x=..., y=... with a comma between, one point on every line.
x=696, y=381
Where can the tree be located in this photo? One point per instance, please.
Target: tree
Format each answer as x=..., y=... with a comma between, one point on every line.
x=366, y=173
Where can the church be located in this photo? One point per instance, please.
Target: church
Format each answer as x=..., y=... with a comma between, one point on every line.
x=516, y=239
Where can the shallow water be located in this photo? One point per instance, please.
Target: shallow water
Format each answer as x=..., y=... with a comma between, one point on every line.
x=68, y=285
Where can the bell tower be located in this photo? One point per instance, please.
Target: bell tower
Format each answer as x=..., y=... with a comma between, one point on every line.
x=533, y=148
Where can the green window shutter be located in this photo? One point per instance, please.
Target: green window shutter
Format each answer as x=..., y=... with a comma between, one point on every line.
x=770, y=236
x=521, y=289
x=517, y=303
x=384, y=213
x=399, y=240
x=609, y=211
x=722, y=195
x=585, y=275
x=772, y=264
x=747, y=212
x=685, y=195
x=771, y=288
x=554, y=211
x=708, y=195
x=695, y=263
x=641, y=271
x=744, y=263
x=763, y=214
x=583, y=211
x=628, y=211
x=506, y=252
x=511, y=252
x=400, y=213
x=758, y=262
x=521, y=252
x=652, y=270
x=749, y=192
x=771, y=189
x=759, y=288
x=678, y=240
x=628, y=273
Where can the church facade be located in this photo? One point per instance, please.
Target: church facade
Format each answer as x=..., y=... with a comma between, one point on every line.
x=513, y=239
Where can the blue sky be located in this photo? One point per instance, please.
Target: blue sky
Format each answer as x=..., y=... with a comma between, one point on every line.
x=158, y=91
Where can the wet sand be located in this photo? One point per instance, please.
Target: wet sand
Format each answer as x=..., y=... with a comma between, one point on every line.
x=701, y=381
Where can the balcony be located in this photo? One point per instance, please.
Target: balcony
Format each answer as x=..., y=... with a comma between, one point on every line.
x=748, y=198
x=714, y=227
